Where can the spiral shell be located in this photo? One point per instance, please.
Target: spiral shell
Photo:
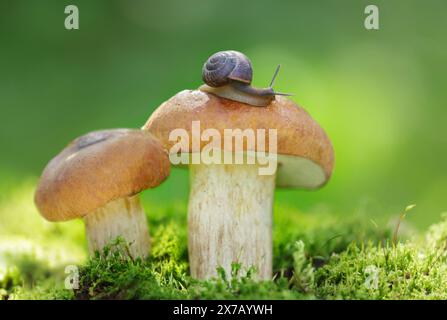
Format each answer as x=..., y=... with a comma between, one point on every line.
x=224, y=66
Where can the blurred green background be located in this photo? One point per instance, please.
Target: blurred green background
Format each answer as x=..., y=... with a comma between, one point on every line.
x=380, y=95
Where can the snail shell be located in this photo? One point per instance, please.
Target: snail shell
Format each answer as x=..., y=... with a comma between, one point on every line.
x=224, y=66
x=228, y=74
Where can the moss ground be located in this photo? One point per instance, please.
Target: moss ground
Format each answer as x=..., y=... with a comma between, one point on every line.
x=315, y=257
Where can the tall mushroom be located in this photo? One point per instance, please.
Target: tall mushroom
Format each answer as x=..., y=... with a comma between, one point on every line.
x=97, y=177
x=230, y=205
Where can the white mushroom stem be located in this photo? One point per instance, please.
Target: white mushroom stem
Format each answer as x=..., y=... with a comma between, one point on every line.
x=124, y=218
x=230, y=219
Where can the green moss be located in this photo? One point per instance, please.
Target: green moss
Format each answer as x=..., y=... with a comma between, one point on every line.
x=410, y=270
x=316, y=256
x=113, y=275
x=29, y=277
x=383, y=272
x=331, y=262
x=9, y=279
x=165, y=274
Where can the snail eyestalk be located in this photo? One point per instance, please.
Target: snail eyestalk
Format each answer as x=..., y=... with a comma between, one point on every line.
x=282, y=94
x=274, y=76
x=273, y=81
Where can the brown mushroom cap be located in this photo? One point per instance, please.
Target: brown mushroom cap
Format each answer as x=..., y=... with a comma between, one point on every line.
x=305, y=153
x=97, y=168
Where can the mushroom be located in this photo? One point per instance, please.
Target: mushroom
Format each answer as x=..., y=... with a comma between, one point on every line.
x=97, y=177
x=230, y=205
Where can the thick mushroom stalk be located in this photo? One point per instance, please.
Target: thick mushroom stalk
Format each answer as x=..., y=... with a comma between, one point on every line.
x=230, y=219
x=123, y=218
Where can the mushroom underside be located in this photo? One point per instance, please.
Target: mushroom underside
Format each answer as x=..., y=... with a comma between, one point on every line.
x=123, y=218
x=292, y=171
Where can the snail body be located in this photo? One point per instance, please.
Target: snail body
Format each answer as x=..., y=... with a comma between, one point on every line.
x=228, y=74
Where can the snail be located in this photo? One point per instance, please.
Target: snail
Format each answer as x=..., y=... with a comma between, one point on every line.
x=228, y=74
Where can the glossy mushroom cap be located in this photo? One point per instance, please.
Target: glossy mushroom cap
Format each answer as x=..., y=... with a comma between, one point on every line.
x=305, y=153
x=97, y=168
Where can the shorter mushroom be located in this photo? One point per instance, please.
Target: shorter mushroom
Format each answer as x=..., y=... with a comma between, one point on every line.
x=98, y=177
